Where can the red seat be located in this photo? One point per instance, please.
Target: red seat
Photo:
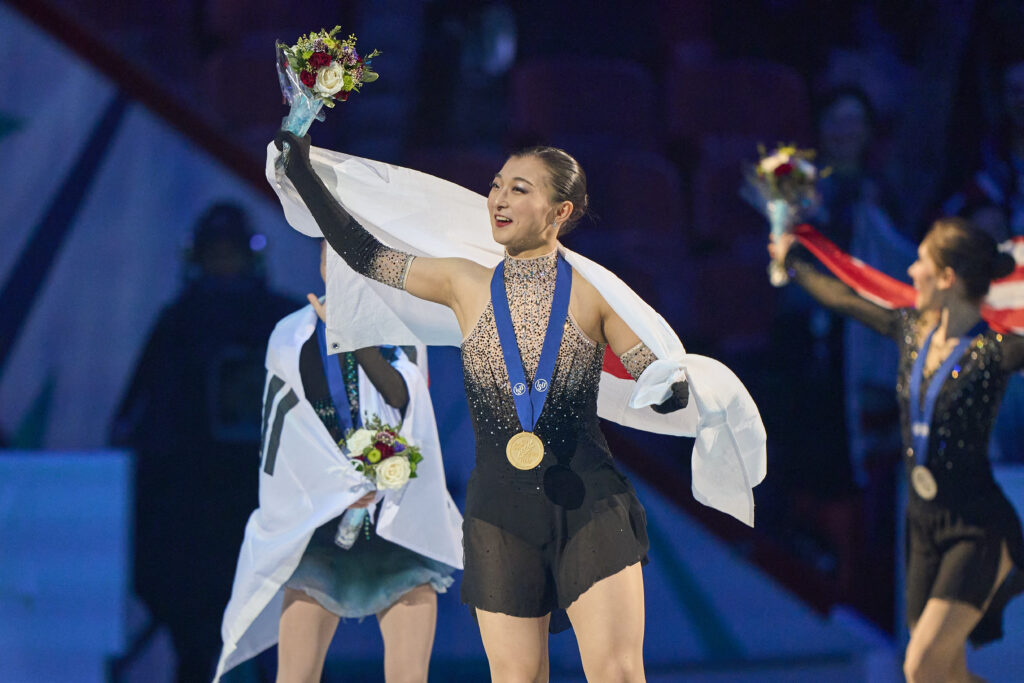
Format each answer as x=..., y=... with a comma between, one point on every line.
x=742, y=97
x=638, y=191
x=228, y=18
x=720, y=215
x=733, y=302
x=470, y=168
x=583, y=96
x=239, y=85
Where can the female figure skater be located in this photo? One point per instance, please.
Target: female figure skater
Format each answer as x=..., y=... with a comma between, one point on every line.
x=964, y=545
x=317, y=581
x=550, y=523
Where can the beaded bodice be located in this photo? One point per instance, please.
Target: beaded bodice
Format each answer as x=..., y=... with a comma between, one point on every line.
x=572, y=400
x=965, y=412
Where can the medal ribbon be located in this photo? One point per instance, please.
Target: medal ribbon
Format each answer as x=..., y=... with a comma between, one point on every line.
x=335, y=381
x=921, y=415
x=529, y=402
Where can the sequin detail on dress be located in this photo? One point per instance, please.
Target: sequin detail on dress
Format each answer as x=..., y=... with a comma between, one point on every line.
x=572, y=404
x=965, y=411
x=390, y=266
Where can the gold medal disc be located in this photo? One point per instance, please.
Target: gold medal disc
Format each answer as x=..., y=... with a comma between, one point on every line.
x=524, y=451
x=924, y=482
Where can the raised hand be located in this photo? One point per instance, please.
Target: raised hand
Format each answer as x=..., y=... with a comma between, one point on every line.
x=779, y=246
x=321, y=312
x=298, y=149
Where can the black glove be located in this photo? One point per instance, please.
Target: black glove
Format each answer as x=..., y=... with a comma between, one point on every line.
x=677, y=401
x=298, y=154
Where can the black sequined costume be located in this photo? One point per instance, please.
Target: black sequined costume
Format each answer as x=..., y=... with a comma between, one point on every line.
x=955, y=540
x=534, y=540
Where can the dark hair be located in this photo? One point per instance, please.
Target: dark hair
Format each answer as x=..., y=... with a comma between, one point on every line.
x=842, y=92
x=972, y=254
x=568, y=181
x=224, y=221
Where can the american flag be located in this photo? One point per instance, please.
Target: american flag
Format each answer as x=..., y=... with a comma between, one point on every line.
x=1003, y=308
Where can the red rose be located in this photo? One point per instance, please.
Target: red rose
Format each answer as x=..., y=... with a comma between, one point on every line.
x=386, y=451
x=318, y=60
x=308, y=79
x=342, y=95
x=784, y=169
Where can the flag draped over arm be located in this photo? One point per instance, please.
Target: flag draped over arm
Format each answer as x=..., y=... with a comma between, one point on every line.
x=1003, y=308
x=428, y=216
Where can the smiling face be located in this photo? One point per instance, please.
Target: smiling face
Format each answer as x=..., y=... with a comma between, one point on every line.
x=521, y=207
x=932, y=282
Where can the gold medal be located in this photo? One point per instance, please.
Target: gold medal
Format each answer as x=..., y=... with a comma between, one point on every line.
x=923, y=481
x=524, y=451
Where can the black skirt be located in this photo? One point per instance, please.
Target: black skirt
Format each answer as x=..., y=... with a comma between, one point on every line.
x=954, y=554
x=531, y=549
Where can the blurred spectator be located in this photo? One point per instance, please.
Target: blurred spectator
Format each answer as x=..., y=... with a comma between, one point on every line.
x=837, y=375
x=192, y=416
x=998, y=179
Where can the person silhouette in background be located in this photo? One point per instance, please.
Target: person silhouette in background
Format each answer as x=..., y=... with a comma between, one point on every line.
x=191, y=414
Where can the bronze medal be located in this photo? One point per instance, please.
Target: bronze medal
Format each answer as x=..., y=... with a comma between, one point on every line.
x=923, y=482
x=524, y=451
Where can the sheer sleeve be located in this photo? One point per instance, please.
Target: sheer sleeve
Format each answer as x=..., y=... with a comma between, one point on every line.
x=636, y=360
x=361, y=250
x=1013, y=352
x=833, y=294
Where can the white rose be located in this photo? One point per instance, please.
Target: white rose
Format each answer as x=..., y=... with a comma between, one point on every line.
x=769, y=164
x=393, y=473
x=329, y=79
x=359, y=440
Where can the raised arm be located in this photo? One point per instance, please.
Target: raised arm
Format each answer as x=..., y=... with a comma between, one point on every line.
x=433, y=279
x=833, y=294
x=385, y=378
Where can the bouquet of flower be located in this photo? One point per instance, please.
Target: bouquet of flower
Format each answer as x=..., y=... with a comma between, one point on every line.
x=783, y=185
x=383, y=457
x=317, y=71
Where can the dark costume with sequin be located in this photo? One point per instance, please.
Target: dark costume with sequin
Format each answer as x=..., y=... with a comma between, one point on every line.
x=534, y=540
x=954, y=541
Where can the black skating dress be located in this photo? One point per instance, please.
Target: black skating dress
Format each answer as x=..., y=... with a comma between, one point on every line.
x=953, y=541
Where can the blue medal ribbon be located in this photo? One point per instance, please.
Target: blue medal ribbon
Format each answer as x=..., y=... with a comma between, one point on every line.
x=335, y=381
x=529, y=400
x=921, y=415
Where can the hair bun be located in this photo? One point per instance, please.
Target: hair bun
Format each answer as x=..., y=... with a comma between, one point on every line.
x=1003, y=266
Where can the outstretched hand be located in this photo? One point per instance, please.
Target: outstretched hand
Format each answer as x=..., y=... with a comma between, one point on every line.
x=321, y=312
x=779, y=246
x=677, y=401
